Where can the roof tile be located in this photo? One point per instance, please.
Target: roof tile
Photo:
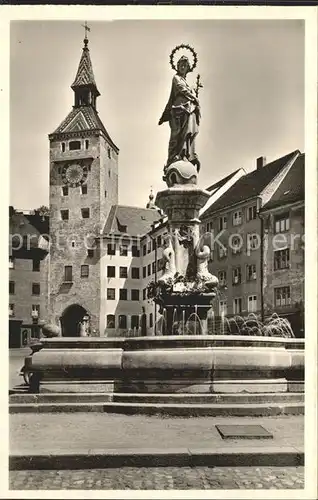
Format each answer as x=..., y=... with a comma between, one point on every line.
x=83, y=118
x=85, y=73
x=251, y=184
x=292, y=188
x=133, y=221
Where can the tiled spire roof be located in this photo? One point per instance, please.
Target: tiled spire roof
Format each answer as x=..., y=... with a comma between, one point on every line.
x=82, y=119
x=85, y=75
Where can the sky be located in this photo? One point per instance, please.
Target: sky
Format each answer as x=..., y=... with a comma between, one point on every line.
x=252, y=100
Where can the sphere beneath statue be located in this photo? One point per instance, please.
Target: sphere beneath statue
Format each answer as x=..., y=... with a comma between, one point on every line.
x=181, y=172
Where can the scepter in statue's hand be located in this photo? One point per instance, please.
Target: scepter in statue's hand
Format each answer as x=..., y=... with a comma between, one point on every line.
x=198, y=86
x=196, y=91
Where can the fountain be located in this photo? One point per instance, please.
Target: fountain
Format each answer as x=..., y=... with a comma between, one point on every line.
x=190, y=356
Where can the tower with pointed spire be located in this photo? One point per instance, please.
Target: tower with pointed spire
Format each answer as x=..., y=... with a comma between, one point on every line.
x=83, y=188
x=84, y=85
x=151, y=203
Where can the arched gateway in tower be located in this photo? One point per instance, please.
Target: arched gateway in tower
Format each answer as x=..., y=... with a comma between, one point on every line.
x=83, y=188
x=74, y=321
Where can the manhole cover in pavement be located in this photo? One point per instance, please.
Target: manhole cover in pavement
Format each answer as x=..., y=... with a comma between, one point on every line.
x=243, y=432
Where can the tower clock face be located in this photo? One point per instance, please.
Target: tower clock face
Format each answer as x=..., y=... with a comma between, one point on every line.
x=74, y=174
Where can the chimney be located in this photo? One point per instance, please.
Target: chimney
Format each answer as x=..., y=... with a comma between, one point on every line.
x=260, y=162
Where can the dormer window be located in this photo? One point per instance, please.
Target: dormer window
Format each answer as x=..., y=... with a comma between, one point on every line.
x=74, y=145
x=86, y=143
x=63, y=147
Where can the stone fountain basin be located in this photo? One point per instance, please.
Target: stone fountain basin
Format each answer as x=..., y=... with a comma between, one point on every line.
x=168, y=364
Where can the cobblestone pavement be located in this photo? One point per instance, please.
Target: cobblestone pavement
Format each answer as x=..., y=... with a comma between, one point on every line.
x=160, y=478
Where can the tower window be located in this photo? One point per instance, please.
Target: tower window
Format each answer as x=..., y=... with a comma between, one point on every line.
x=105, y=194
x=86, y=143
x=36, y=265
x=84, y=189
x=64, y=214
x=84, y=271
x=109, y=152
x=68, y=274
x=35, y=288
x=63, y=147
x=85, y=213
x=73, y=145
x=65, y=190
x=109, y=172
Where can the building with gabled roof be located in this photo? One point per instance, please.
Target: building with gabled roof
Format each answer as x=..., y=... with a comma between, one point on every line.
x=233, y=220
x=136, y=221
x=28, y=274
x=283, y=221
x=253, y=183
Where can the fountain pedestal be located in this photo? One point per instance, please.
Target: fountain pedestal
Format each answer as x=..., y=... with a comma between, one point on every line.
x=187, y=288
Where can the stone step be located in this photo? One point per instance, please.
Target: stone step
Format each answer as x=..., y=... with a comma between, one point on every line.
x=62, y=397
x=215, y=456
x=256, y=409
x=226, y=398
x=184, y=398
